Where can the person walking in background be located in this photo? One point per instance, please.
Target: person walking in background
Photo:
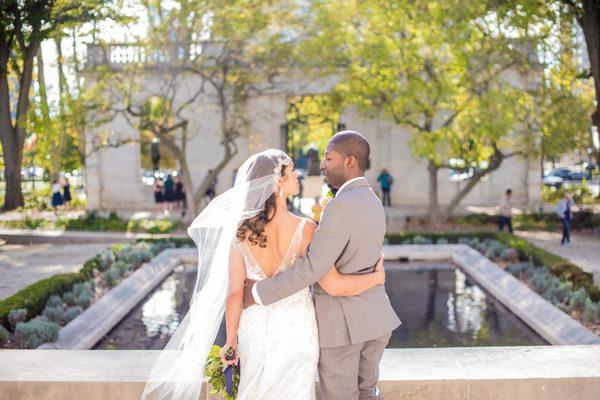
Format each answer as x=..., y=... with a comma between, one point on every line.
x=211, y=192
x=385, y=181
x=169, y=192
x=159, y=198
x=179, y=194
x=57, y=198
x=505, y=212
x=67, y=193
x=563, y=209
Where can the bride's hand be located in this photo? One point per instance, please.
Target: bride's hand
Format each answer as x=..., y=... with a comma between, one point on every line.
x=224, y=359
x=380, y=270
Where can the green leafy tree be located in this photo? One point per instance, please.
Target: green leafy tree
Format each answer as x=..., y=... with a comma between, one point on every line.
x=231, y=51
x=437, y=68
x=23, y=26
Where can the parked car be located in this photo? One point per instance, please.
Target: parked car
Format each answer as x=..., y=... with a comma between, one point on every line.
x=577, y=176
x=552, y=180
x=562, y=173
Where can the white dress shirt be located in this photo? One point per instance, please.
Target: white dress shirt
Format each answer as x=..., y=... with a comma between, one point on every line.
x=254, y=289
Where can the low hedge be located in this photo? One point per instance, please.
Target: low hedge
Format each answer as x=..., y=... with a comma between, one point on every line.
x=559, y=267
x=585, y=219
x=35, y=296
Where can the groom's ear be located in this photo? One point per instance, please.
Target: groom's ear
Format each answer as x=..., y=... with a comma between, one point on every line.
x=350, y=161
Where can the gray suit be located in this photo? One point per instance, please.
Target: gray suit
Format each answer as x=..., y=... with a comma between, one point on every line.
x=354, y=330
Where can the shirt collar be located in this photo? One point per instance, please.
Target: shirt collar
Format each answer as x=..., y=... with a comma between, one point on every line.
x=347, y=182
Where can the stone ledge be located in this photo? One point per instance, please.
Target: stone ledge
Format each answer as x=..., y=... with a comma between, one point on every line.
x=499, y=373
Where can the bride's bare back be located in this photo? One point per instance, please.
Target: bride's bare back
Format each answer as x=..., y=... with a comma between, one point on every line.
x=280, y=233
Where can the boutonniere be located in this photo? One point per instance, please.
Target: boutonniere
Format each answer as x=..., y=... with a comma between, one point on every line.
x=327, y=198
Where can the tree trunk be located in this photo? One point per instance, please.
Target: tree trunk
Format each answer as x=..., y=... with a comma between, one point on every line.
x=13, y=138
x=434, y=205
x=494, y=164
x=589, y=20
x=59, y=144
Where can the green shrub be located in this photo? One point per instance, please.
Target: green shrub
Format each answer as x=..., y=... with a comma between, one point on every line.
x=90, y=266
x=558, y=266
x=35, y=332
x=442, y=241
x=35, y=296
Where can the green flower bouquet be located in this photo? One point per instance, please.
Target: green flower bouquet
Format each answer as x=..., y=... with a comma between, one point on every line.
x=214, y=371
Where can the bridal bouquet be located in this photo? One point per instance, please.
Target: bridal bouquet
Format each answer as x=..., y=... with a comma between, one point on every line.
x=225, y=381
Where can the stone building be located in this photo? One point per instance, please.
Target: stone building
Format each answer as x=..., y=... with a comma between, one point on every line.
x=114, y=178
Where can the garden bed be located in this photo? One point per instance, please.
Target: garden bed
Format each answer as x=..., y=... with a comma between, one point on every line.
x=35, y=314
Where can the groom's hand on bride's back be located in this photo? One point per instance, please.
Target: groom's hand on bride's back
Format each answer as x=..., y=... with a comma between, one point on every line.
x=248, y=297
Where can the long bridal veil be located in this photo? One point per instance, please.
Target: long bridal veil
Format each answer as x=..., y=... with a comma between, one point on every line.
x=178, y=372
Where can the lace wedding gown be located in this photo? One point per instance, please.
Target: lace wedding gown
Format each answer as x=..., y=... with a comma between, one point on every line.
x=278, y=344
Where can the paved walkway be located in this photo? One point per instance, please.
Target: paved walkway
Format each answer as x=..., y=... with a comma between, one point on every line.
x=585, y=250
x=22, y=265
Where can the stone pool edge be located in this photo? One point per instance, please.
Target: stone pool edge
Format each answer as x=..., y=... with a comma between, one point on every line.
x=88, y=328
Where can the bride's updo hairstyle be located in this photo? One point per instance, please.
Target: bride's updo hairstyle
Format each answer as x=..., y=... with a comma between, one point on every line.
x=253, y=228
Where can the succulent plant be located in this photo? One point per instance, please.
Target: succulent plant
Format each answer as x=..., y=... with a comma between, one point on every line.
x=509, y=255
x=35, y=332
x=72, y=313
x=421, y=240
x=54, y=301
x=53, y=314
x=69, y=298
x=579, y=298
x=4, y=334
x=591, y=312
x=106, y=258
x=84, y=299
x=17, y=315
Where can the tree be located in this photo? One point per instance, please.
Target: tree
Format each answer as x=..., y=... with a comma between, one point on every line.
x=435, y=67
x=558, y=14
x=226, y=52
x=23, y=26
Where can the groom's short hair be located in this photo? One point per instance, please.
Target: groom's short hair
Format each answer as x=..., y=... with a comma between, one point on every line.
x=352, y=143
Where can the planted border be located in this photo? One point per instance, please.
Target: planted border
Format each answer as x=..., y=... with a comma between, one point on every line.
x=35, y=314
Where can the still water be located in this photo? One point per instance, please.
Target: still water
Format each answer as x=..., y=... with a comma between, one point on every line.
x=438, y=305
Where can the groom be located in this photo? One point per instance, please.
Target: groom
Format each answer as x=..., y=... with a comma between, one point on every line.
x=353, y=331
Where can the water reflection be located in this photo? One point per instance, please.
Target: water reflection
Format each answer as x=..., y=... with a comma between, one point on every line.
x=439, y=307
x=466, y=306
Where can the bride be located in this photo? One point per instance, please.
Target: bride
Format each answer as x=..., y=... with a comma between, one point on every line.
x=247, y=232
x=278, y=344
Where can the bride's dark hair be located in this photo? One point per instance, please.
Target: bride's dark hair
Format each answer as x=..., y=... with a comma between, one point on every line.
x=254, y=228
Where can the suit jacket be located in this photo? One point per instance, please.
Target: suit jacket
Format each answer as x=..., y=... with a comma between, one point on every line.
x=350, y=236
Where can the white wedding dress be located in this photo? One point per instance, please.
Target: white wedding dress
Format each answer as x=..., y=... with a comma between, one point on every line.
x=278, y=344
